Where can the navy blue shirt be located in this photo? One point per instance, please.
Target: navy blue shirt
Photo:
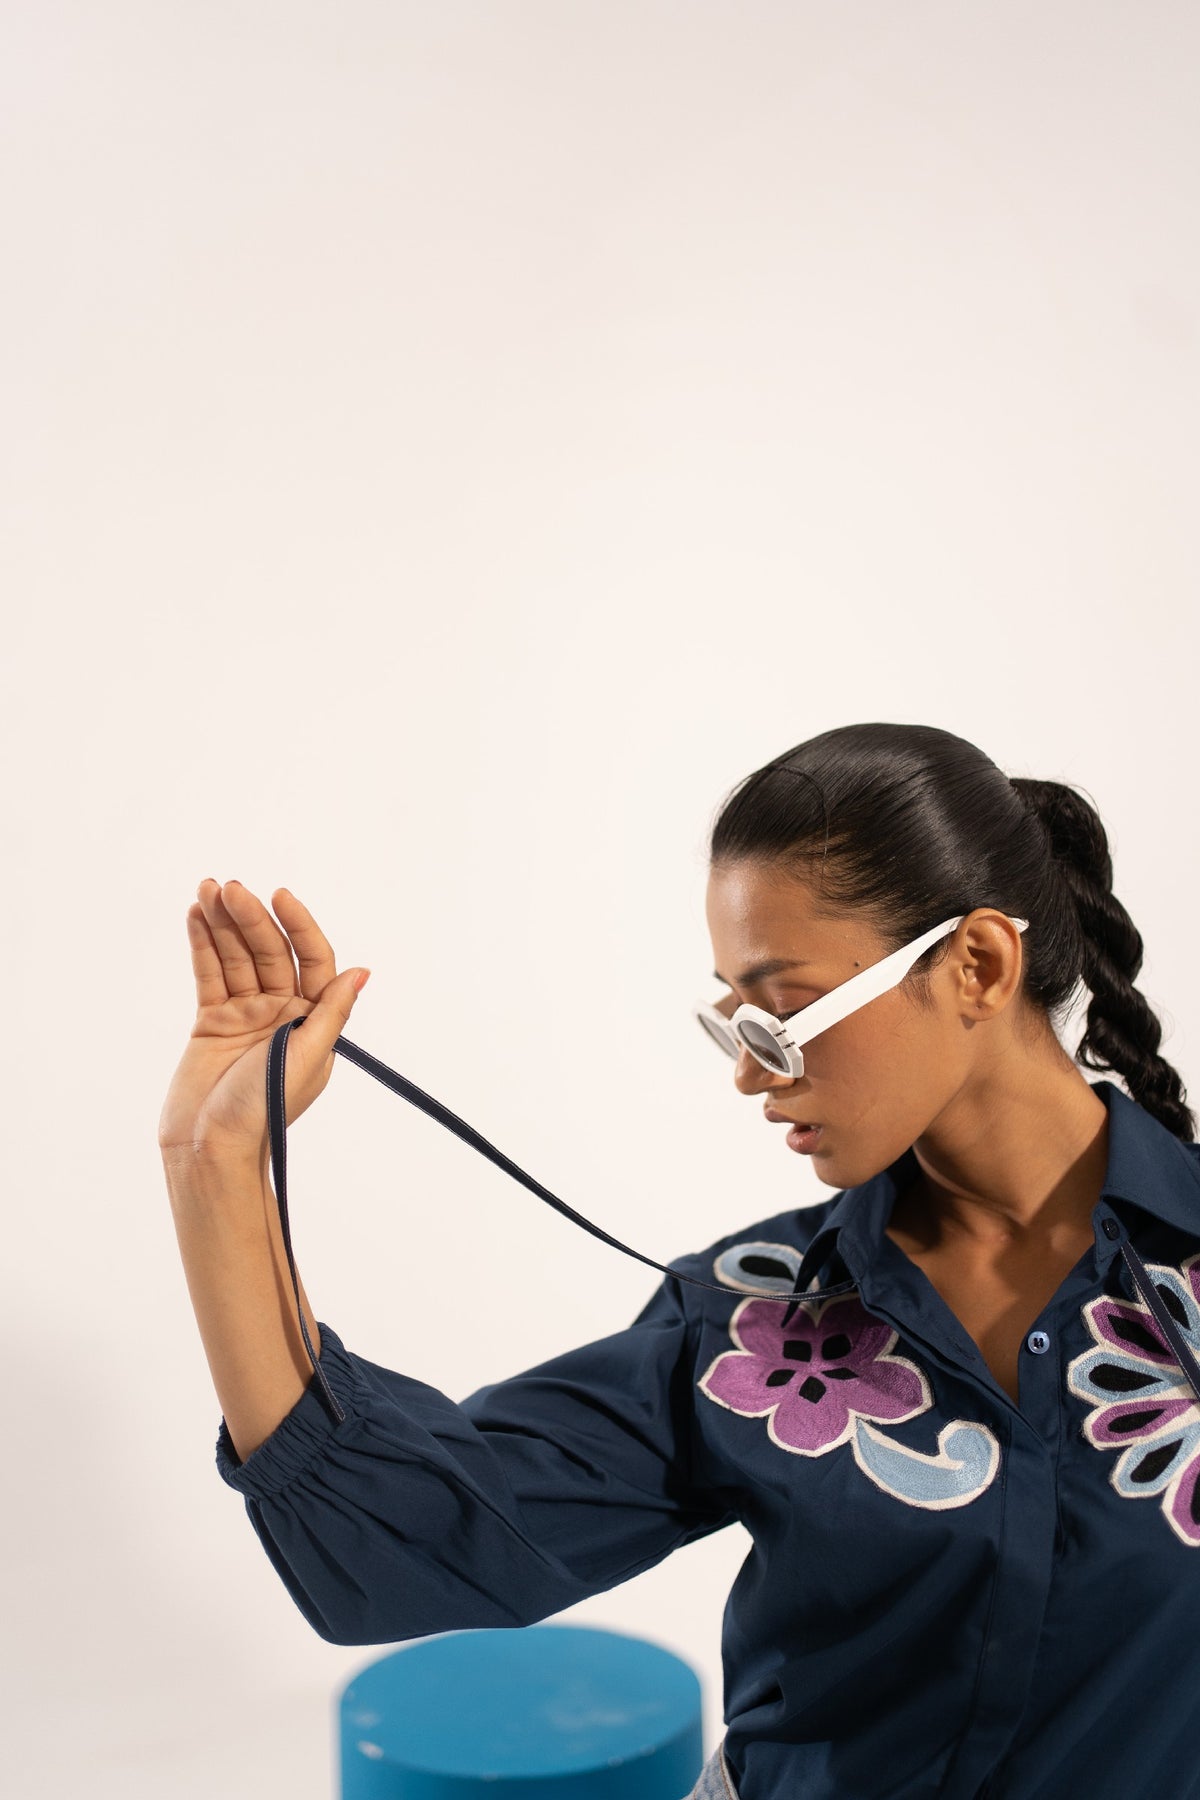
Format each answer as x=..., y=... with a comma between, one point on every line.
x=947, y=1593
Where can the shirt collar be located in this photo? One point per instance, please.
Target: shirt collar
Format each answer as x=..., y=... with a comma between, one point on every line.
x=1148, y=1167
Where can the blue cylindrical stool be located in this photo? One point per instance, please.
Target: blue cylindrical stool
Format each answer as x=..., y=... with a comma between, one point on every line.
x=543, y=1712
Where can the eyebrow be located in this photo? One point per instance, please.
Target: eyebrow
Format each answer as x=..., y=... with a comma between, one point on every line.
x=760, y=970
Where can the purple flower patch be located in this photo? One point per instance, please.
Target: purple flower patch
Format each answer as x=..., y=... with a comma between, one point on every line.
x=814, y=1377
x=1141, y=1403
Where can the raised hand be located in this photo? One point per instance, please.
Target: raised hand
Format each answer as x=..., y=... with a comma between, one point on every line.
x=252, y=975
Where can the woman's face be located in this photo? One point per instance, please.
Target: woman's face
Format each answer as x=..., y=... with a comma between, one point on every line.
x=878, y=1079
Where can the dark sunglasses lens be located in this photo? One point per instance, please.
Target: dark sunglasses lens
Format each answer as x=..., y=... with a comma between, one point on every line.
x=718, y=1036
x=764, y=1046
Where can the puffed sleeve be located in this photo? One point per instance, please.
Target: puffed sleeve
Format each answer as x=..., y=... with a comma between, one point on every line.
x=417, y=1514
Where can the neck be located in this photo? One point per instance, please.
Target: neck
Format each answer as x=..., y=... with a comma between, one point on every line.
x=1017, y=1165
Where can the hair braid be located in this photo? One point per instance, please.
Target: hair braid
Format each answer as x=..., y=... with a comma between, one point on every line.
x=1123, y=1032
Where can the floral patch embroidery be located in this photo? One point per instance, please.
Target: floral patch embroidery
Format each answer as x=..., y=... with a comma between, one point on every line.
x=759, y=1265
x=1141, y=1401
x=820, y=1378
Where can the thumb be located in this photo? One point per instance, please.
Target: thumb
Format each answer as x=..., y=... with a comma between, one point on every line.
x=324, y=1024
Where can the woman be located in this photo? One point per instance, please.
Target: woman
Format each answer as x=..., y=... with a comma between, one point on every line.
x=969, y=1472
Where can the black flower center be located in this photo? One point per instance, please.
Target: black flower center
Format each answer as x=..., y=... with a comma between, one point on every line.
x=799, y=1350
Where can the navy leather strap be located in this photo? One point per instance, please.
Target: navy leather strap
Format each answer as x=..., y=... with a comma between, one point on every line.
x=1154, y=1300
x=277, y=1125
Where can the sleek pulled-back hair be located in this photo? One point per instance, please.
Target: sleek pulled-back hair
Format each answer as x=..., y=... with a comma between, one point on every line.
x=909, y=825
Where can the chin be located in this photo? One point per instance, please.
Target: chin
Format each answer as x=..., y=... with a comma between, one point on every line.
x=844, y=1172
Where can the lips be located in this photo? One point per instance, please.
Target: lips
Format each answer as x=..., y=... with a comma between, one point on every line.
x=778, y=1118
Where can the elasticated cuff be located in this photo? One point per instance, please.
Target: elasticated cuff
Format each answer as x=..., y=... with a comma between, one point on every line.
x=298, y=1440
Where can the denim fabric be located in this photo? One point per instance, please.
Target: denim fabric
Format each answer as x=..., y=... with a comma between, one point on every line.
x=714, y=1782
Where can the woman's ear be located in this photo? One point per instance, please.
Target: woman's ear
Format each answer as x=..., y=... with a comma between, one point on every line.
x=991, y=963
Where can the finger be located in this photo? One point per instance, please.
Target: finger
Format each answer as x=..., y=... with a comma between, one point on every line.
x=272, y=953
x=313, y=950
x=206, y=964
x=237, y=960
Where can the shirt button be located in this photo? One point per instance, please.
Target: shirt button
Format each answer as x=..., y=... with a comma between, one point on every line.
x=1038, y=1342
x=1111, y=1229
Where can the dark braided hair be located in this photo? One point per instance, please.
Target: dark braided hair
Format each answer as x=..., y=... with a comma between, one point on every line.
x=909, y=825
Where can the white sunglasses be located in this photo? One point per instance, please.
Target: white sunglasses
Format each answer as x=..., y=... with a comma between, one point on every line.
x=778, y=1048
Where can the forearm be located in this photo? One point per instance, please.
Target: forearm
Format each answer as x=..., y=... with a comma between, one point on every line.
x=231, y=1241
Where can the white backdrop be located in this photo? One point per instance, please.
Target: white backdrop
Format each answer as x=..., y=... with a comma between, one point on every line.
x=445, y=448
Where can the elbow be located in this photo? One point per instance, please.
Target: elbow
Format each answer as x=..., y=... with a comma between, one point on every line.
x=383, y=1622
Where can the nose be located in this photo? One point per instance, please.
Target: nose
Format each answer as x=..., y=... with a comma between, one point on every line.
x=751, y=1077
